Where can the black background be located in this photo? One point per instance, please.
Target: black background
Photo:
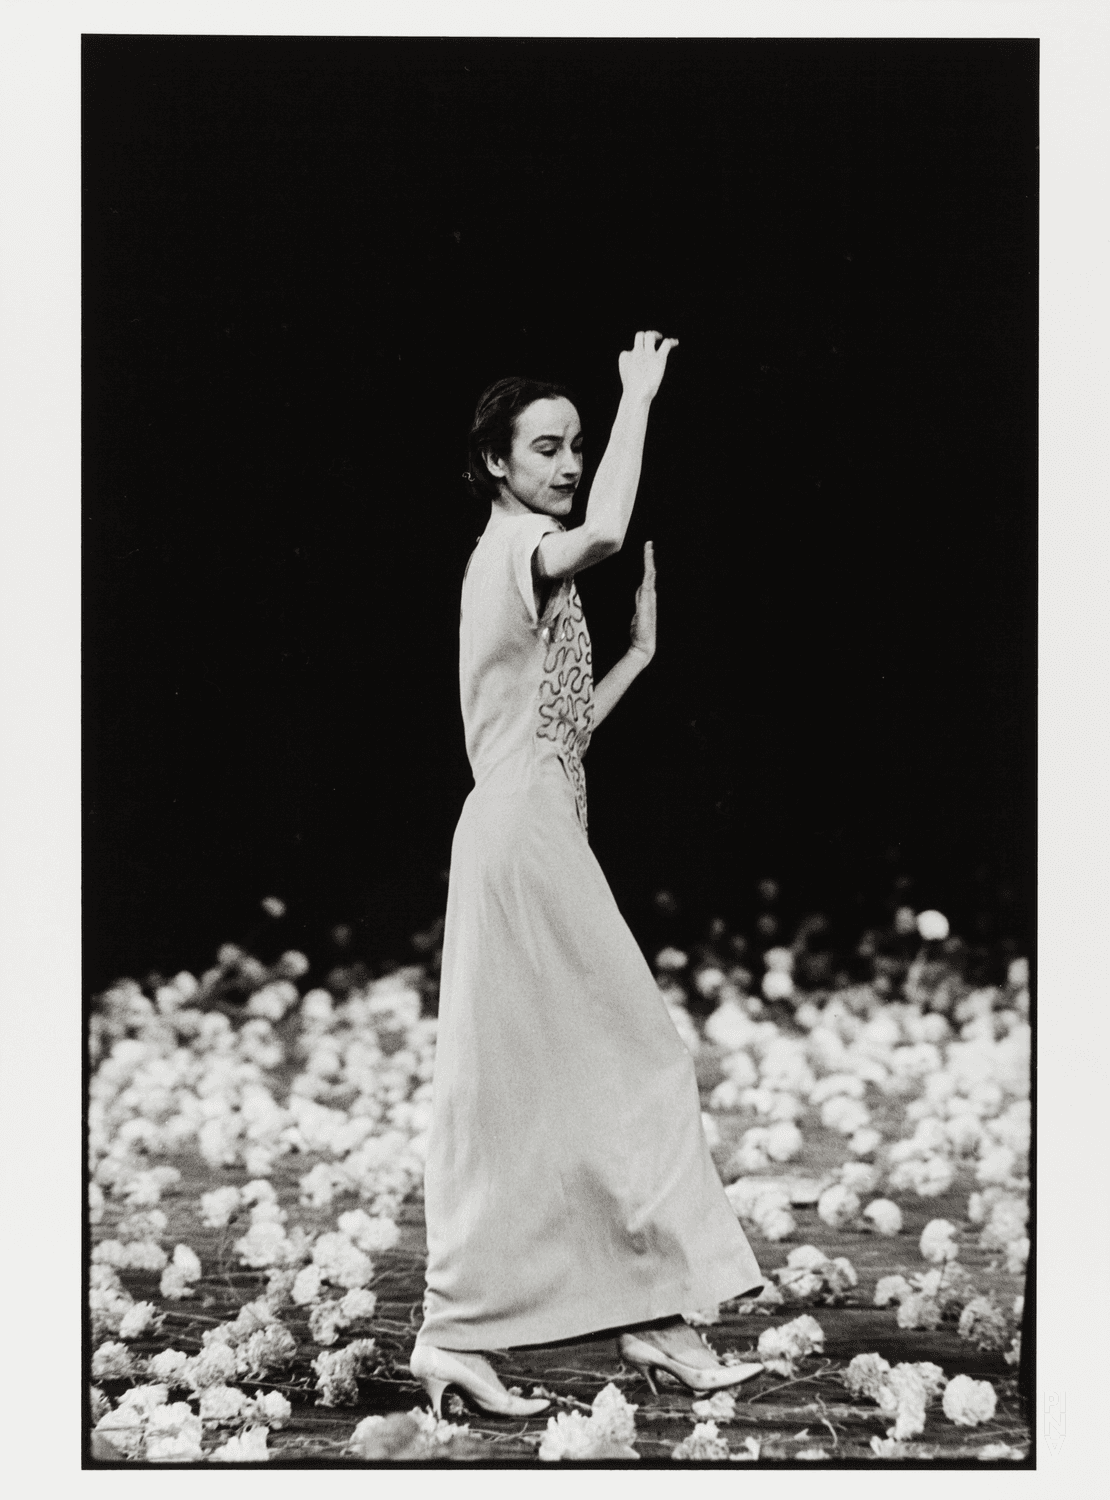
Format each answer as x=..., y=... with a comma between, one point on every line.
x=304, y=259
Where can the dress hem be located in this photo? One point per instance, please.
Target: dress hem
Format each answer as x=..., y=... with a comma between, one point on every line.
x=583, y=1323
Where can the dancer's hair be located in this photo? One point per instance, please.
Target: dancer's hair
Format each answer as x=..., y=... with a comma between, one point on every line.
x=494, y=425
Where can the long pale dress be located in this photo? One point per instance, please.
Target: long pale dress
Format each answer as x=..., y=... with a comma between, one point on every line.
x=568, y=1186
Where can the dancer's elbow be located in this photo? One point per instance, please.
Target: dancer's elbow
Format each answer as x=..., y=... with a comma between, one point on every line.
x=602, y=541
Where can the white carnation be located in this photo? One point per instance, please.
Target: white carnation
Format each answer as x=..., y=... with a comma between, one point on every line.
x=775, y=1223
x=938, y=1241
x=848, y=1084
x=168, y=1366
x=125, y=1430
x=319, y=1187
x=859, y=1176
x=799, y=1285
x=864, y=1142
x=247, y=1447
x=338, y=1372
x=928, y=1176
x=889, y=1448
x=613, y=1416
x=214, y=1365
x=1007, y=1221
x=918, y=1310
x=738, y=1065
x=108, y=1306
x=259, y=1160
x=890, y=1289
x=342, y=1262
x=752, y=1196
x=997, y=1167
x=264, y=1244
x=608, y=1432
x=268, y=1212
x=840, y=1274
x=144, y=1398
x=932, y=925
x=726, y=1095
x=373, y=1235
x=671, y=960
x=139, y=1319
x=111, y=1361
x=324, y=1322
x=317, y=1008
x=222, y=1403
x=837, y=1206
x=964, y=1131
x=783, y=1142
x=708, y=982
x=847, y=1116
x=720, y=1407
x=705, y=1444
x=807, y=1258
x=358, y=1304
x=780, y=1347
x=969, y=1402
x=307, y=1285
x=884, y=1216
x=984, y=1323
x=273, y=1000
x=1017, y=1254
x=903, y=1395
x=750, y=1159
x=217, y=1207
x=174, y=1284
x=293, y=964
x=271, y=1408
x=866, y=1374
x=568, y=1436
x=777, y=985
x=173, y=1435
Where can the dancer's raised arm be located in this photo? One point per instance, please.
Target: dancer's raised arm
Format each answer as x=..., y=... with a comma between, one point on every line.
x=613, y=494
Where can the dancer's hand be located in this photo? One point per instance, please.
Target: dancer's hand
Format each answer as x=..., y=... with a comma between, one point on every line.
x=643, y=621
x=613, y=686
x=642, y=367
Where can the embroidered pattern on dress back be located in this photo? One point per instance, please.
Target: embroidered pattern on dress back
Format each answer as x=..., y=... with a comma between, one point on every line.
x=566, y=700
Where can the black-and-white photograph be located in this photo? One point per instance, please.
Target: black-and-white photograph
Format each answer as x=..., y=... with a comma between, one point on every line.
x=559, y=739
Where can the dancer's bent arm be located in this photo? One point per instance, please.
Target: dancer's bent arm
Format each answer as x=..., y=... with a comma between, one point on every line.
x=561, y=554
x=613, y=686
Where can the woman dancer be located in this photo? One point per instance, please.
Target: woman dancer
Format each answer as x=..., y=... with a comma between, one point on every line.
x=569, y=1188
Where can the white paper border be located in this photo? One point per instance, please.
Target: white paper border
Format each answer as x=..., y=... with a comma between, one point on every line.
x=39, y=631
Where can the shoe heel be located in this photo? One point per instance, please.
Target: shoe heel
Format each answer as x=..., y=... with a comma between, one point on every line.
x=435, y=1389
x=645, y=1371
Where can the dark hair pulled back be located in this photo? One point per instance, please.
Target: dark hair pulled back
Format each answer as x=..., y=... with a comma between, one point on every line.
x=494, y=425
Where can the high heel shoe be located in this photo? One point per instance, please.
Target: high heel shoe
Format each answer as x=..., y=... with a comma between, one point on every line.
x=647, y=1357
x=436, y=1369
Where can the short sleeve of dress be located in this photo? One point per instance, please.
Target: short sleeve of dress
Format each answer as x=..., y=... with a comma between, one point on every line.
x=526, y=535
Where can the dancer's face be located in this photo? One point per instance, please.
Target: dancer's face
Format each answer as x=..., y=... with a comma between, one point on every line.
x=545, y=465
